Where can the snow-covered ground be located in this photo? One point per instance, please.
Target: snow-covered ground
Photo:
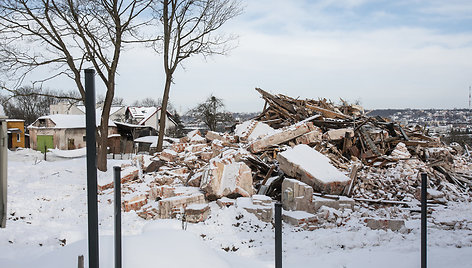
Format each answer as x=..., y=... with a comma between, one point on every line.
x=47, y=227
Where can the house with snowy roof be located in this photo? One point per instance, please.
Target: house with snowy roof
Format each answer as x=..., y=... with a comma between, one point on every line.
x=148, y=116
x=62, y=131
x=116, y=112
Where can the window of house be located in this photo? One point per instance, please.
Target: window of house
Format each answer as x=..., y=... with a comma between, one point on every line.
x=84, y=138
x=18, y=137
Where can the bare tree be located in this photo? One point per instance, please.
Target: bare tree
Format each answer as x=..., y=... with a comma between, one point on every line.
x=191, y=28
x=30, y=103
x=66, y=34
x=212, y=113
x=117, y=101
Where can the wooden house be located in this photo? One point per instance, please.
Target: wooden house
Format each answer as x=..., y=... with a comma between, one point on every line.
x=16, y=133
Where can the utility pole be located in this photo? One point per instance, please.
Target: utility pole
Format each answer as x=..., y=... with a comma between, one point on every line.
x=469, y=98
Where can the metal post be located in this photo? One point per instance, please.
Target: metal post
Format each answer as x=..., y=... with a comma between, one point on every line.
x=424, y=231
x=3, y=171
x=80, y=261
x=117, y=181
x=91, y=168
x=278, y=235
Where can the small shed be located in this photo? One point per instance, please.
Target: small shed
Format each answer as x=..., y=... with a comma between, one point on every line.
x=16, y=133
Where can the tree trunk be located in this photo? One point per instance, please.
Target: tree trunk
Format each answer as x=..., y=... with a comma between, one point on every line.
x=103, y=137
x=162, y=120
x=102, y=148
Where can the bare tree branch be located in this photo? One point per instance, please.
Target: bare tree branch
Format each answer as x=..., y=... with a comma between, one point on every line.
x=190, y=27
x=64, y=34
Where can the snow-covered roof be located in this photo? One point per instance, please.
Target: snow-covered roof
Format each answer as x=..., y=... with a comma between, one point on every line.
x=142, y=113
x=130, y=125
x=69, y=121
x=115, y=109
x=146, y=139
x=14, y=130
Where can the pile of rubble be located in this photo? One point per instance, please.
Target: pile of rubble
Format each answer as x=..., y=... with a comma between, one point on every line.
x=317, y=158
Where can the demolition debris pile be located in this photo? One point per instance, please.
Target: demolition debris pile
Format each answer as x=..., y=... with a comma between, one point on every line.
x=317, y=158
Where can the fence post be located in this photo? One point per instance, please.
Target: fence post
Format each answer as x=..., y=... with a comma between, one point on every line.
x=117, y=182
x=424, y=231
x=278, y=235
x=91, y=143
x=3, y=171
x=45, y=151
x=80, y=261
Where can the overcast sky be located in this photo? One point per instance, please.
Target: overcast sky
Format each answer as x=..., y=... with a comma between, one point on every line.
x=386, y=54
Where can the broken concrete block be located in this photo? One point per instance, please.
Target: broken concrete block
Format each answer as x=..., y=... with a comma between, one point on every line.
x=206, y=156
x=262, y=200
x=211, y=135
x=179, y=147
x=263, y=211
x=193, y=133
x=252, y=130
x=195, y=148
x=338, y=134
x=197, y=212
x=400, y=151
x=163, y=180
x=160, y=192
x=128, y=173
x=341, y=203
x=168, y=155
x=217, y=145
x=195, y=180
x=297, y=195
x=168, y=206
x=197, y=139
x=142, y=161
x=384, y=224
x=430, y=194
x=179, y=171
x=313, y=168
x=225, y=202
x=310, y=137
x=222, y=179
x=281, y=136
x=149, y=211
x=301, y=219
x=154, y=166
x=134, y=202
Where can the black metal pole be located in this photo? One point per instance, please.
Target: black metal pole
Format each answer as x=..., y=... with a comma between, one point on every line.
x=278, y=235
x=424, y=231
x=91, y=168
x=117, y=181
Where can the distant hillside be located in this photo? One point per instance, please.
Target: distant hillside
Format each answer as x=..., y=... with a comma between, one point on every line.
x=385, y=112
